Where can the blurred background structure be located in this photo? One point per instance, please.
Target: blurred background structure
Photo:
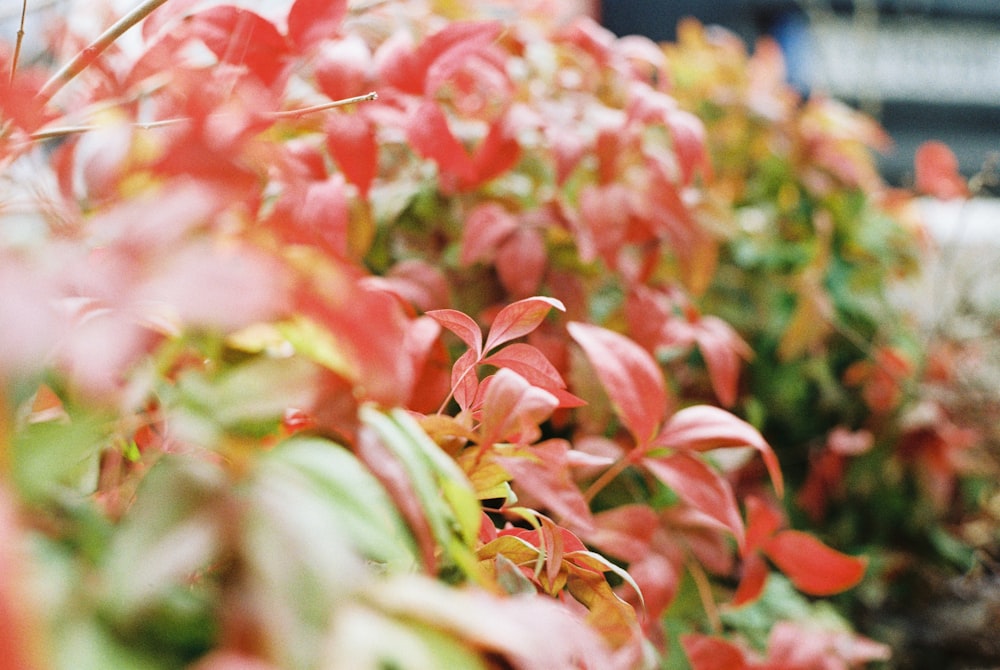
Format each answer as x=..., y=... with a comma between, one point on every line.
x=926, y=69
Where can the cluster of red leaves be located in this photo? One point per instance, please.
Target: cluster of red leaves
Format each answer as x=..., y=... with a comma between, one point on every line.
x=555, y=157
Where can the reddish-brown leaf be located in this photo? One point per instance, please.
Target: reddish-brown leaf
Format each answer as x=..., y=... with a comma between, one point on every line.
x=633, y=381
x=519, y=318
x=700, y=486
x=813, y=567
x=937, y=172
x=703, y=428
x=312, y=21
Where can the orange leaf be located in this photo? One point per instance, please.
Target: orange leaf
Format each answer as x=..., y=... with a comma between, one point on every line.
x=937, y=172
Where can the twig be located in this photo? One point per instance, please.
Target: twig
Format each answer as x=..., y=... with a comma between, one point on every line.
x=62, y=131
x=88, y=55
x=20, y=39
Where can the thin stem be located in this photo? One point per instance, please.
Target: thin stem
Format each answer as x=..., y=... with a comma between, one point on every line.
x=88, y=55
x=62, y=131
x=20, y=39
x=606, y=478
x=705, y=594
x=322, y=107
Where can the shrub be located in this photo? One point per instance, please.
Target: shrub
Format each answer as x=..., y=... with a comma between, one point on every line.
x=296, y=375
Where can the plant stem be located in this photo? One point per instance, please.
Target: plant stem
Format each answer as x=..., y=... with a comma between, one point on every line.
x=88, y=55
x=606, y=478
x=20, y=39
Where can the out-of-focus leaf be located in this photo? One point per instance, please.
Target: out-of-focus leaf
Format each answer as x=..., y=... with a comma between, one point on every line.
x=703, y=428
x=485, y=228
x=312, y=21
x=529, y=632
x=241, y=37
x=53, y=455
x=521, y=262
x=629, y=375
x=813, y=567
x=351, y=140
x=21, y=639
x=937, y=171
x=173, y=530
x=356, y=501
x=543, y=480
x=705, y=652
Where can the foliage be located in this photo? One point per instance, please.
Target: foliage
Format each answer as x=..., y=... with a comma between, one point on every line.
x=250, y=415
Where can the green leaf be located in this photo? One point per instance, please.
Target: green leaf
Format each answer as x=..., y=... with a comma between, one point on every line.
x=54, y=455
x=349, y=494
x=448, y=499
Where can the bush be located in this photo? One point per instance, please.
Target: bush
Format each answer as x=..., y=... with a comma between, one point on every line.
x=299, y=375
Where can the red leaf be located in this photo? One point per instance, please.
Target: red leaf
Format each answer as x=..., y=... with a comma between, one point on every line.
x=763, y=521
x=703, y=428
x=723, y=351
x=519, y=318
x=513, y=408
x=464, y=382
x=531, y=363
x=700, y=486
x=462, y=325
x=430, y=135
x=241, y=37
x=688, y=135
x=341, y=68
x=633, y=381
x=545, y=483
x=625, y=532
x=937, y=172
x=484, y=229
x=755, y=573
x=498, y=152
x=813, y=567
x=312, y=21
x=454, y=41
x=521, y=262
x=351, y=141
x=711, y=653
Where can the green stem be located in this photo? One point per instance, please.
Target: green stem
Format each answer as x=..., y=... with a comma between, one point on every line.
x=88, y=55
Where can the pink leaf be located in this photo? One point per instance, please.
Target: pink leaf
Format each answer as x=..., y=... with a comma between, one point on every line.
x=937, y=172
x=521, y=262
x=700, y=486
x=625, y=532
x=531, y=363
x=723, y=351
x=545, y=483
x=461, y=325
x=519, y=318
x=513, y=408
x=703, y=428
x=464, y=382
x=813, y=567
x=633, y=381
x=351, y=141
x=485, y=228
x=312, y=21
